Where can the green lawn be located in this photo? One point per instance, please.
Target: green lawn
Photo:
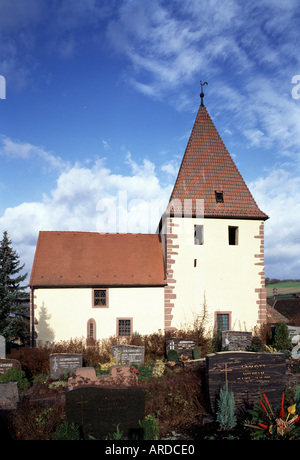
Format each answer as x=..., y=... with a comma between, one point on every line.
x=284, y=288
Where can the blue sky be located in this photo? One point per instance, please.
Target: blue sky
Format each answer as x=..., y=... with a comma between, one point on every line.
x=101, y=96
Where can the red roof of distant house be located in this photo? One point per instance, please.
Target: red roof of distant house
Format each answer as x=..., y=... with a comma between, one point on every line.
x=289, y=308
x=208, y=172
x=273, y=316
x=94, y=259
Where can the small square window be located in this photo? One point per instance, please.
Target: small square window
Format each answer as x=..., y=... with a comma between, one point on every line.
x=100, y=298
x=124, y=327
x=219, y=197
x=198, y=234
x=233, y=233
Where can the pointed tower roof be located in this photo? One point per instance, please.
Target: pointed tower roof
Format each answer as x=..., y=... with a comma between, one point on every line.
x=208, y=173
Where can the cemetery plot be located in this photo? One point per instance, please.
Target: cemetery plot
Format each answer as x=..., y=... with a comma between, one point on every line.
x=294, y=333
x=118, y=376
x=99, y=411
x=6, y=364
x=64, y=362
x=182, y=346
x=9, y=395
x=236, y=340
x=246, y=374
x=128, y=354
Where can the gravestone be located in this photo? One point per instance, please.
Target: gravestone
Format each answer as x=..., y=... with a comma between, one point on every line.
x=9, y=395
x=236, y=340
x=119, y=376
x=294, y=333
x=247, y=375
x=128, y=354
x=182, y=346
x=64, y=362
x=2, y=347
x=99, y=411
x=6, y=364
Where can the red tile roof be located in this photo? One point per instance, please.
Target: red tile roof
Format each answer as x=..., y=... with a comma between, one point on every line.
x=290, y=308
x=94, y=259
x=207, y=168
x=273, y=316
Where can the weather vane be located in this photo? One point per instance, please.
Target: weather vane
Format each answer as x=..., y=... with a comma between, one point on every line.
x=202, y=94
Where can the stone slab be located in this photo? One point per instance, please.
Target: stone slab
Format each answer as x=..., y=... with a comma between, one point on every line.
x=64, y=362
x=6, y=364
x=9, y=395
x=99, y=411
x=182, y=346
x=128, y=354
x=236, y=340
x=247, y=375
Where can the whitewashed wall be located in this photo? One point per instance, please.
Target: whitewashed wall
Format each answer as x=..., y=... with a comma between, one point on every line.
x=62, y=314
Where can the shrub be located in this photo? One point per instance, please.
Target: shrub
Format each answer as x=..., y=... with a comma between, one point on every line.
x=38, y=421
x=149, y=428
x=174, y=399
x=14, y=375
x=282, y=340
x=116, y=436
x=159, y=368
x=172, y=355
x=297, y=398
x=58, y=384
x=226, y=408
x=67, y=432
x=107, y=365
x=196, y=352
x=33, y=360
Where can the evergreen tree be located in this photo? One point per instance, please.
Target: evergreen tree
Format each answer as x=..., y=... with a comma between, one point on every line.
x=10, y=291
x=282, y=340
x=226, y=409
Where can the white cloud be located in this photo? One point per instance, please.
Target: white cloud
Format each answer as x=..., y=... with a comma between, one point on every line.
x=255, y=136
x=15, y=149
x=90, y=199
x=278, y=194
x=171, y=167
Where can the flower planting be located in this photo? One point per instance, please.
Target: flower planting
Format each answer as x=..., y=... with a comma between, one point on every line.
x=275, y=424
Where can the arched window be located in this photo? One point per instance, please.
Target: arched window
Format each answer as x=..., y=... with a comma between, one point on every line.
x=91, y=331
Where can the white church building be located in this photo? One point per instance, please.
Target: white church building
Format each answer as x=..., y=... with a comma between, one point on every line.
x=207, y=254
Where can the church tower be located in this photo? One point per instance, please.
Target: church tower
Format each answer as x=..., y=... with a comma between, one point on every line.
x=213, y=239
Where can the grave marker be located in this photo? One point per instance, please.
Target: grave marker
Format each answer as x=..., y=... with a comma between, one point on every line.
x=6, y=364
x=294, y=333
x=119, y=376
x=128, y=354
x=246, y=374
x=236, y=340
x=9, y=395
x=182, y=346
x=64, y=362
x=2, y=347
x=100, y=410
